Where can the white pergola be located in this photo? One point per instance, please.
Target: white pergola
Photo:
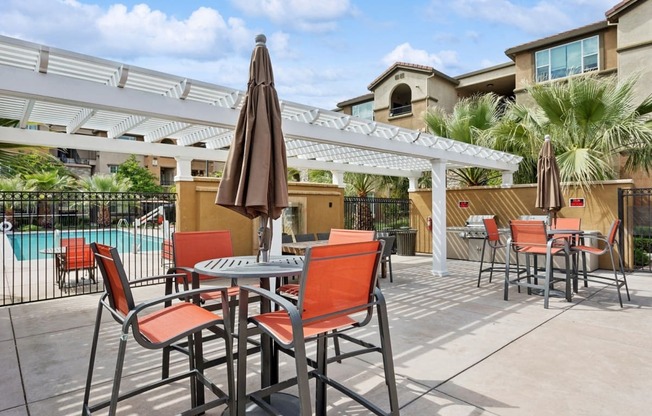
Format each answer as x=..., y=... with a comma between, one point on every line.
x=57, y=87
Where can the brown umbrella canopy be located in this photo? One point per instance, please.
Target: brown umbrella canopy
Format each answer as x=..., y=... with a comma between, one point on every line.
x=549, y=196
x=254, y=182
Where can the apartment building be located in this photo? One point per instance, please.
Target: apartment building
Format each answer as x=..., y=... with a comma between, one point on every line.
x=621, y=44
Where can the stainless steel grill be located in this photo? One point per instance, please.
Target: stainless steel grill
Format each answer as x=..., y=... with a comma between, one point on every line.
x=543, y=218
x=466, y=242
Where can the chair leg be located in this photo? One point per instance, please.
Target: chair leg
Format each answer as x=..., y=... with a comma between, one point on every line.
x=301, y=364
x=391, y=274
x=546, y=283
x=320, y=390
x=493, y=262
x=91, y=364
x=507, y=264
x=484, y=244
x=241, y=375
x=117, y=377
x=388, y=360
x=613, y=265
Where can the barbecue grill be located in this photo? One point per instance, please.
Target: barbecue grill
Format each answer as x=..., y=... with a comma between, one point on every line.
x=466, y=242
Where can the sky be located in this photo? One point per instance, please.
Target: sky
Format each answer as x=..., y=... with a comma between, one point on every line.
x=323, y=51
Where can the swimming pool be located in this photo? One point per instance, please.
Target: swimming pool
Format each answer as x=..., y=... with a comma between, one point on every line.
x=30, y=245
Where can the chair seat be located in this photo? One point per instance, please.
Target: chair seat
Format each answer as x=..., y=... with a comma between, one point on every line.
x=290, y=290
x=591, y=250
x=166, y=324
x=540, y=250
x=278, y=323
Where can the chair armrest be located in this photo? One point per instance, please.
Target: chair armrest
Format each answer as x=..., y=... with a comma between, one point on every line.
x=175, y=296
x=161, y=276
x=273, y=297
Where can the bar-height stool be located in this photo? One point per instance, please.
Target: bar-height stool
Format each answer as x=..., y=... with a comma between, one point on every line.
x=531, y=238
x=609, y=243
x=492, y=240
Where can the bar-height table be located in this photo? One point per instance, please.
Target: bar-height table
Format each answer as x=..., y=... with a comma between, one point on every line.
x=241, y=267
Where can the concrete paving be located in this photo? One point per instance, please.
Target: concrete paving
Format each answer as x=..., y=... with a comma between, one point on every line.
x=458, y=350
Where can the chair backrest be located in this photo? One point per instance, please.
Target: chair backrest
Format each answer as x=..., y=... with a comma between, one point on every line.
x=613, y=232
x=191, y=247
x=528, y=233
x=340, y=236
x=491, y=227
x=323, y=236
x=338, y=279
x=389, y=245
x=77, y=242
x=304, y=237
x=115, y=279
x=567, y=224
x=286, y=238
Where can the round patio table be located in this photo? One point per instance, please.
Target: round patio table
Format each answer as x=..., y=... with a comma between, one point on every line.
x=240, y=267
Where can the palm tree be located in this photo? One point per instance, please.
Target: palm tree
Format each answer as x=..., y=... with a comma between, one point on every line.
x=592, y=121
x=46, y=182
x=12, y=185
x=361, y=185
x=97, y=186
x=471, y=118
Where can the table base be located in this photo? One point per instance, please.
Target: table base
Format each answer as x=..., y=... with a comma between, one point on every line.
x=286, y=404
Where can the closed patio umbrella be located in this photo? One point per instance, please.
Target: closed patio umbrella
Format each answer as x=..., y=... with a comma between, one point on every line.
x=254, y=182
x=549, y=195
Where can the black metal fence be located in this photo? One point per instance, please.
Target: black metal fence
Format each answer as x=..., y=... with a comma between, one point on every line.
x=635, y=211
x=378, y=214
x=34, y=225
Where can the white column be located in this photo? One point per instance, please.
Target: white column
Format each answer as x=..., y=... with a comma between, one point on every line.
x=338, y=178
x=439, y=267
x=184, y=169
x=414, y=183
x=508, y=179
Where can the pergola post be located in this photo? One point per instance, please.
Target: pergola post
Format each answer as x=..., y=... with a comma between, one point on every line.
x=184, y=169
x=338, y=178
x=439, y=267
x=508, y=179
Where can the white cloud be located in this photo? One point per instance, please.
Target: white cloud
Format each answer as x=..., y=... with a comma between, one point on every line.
x=442, y=61
x=303, y=15
x=536, y=19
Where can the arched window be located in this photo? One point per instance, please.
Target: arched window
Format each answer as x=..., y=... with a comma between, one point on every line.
x=401, y=101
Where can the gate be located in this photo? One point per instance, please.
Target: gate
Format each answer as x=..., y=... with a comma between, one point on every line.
x=635, y=211
x=380, y=214
x=35, y=227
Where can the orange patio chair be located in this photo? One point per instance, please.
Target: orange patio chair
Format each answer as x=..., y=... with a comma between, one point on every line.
x=338, y=292
x=336, y=236
x=531, y=238
x=156, y=324
x=494, y=243
x=573, y=240
x=189, y=248
x=609, y=245
x=77, y=258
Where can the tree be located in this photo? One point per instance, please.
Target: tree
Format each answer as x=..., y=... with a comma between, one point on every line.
x=361, y=185
x=592, y=121
x=97, y=186
x=46, y=182
x=471, y=118
x=142, y=180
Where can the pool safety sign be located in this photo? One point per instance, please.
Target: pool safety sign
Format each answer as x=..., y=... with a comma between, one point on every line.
x=576, y=203
x=463, y=204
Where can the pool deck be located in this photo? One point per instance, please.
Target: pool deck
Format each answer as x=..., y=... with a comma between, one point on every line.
x=458, y=350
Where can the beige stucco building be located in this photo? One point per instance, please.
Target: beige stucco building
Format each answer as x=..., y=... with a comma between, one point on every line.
x=621, y=44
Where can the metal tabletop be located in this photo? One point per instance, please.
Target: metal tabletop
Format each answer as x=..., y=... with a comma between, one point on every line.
x=246, y=266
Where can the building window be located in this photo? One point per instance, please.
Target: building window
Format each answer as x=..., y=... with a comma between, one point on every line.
x=401, y=101
x=113, y=168
x=364, y=110
x=565, y=60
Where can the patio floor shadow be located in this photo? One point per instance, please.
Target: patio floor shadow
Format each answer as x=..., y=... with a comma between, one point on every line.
x=458, y=350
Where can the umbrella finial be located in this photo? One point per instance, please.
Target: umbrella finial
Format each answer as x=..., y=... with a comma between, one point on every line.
x=546, y=137
x=261, y=40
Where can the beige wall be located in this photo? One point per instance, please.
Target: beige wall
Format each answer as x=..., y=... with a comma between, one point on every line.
x=196, y=211
x=635, y=47
x=508, y=203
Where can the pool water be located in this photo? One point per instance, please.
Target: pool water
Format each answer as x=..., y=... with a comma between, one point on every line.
x=30, y=245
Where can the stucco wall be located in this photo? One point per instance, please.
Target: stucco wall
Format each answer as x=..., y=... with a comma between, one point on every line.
x=635, y=47
x=509, y=203
x=196, y=211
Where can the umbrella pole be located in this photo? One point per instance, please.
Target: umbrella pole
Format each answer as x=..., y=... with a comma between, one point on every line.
x=264, y=240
